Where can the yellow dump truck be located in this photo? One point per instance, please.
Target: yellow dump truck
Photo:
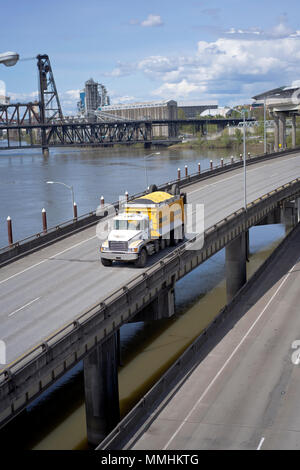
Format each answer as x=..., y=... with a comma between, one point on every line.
x=148, y=224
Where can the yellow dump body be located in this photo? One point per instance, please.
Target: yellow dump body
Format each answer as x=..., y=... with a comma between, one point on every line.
x=165, y=211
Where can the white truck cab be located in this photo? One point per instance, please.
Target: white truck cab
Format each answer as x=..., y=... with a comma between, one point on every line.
x=128, y=232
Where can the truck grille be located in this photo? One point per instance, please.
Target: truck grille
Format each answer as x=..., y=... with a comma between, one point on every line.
x=118, y=246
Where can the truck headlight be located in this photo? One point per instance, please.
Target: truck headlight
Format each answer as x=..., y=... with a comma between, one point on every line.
x=133, y=250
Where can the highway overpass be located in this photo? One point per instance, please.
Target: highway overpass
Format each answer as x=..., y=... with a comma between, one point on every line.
x=45, y=297
x=240, y=389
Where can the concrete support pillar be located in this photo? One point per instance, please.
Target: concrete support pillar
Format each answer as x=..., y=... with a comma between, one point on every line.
x=276, y=133
x=236, y=275
x=101, y=390
x=282, y=131
x=298, y=210
x=289, y=215
x=163, y=306
x=294, y=128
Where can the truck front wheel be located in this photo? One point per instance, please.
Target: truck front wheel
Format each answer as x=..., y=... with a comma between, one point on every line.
x=106, y=262
x=142, y=259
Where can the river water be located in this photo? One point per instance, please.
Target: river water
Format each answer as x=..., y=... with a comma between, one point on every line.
x=57, y=419
x=92, y=173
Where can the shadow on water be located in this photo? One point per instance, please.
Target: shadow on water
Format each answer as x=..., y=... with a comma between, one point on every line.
x=57, y=419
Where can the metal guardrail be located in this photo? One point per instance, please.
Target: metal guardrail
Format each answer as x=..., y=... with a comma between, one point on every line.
x=100, y=307
x=184, y=181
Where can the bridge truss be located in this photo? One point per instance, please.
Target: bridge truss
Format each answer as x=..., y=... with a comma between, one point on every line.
x=19, y=135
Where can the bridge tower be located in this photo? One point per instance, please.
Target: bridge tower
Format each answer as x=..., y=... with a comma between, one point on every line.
x=50, y=108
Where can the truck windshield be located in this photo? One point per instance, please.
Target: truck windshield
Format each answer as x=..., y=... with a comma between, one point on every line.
x=127, y=225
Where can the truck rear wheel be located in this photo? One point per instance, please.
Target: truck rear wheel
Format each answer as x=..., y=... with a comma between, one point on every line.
x=162, y=243
x=152, y=188
x=106, y=262
x=142, y=259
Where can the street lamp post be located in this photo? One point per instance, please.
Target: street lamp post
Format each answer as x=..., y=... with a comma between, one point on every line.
x=243, y=113
x=9, y=58
x=265, y=129
x=145, y=157
x=244, y=147
x=67, y=186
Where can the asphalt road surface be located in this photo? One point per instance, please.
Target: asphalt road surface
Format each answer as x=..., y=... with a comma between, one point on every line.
x=47, y=289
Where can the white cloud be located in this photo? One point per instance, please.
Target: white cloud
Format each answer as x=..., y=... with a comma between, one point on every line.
x=178, y=90
x=23, y=97
x=149, y=22
x=225, y=66
x=2, y=88
x=255, y=31
x=71, y=94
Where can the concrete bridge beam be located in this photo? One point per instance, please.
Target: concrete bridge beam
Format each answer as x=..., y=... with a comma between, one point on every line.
x=276, y=133
x=289, y=214
x=282, y=130
x=236, y=275
x=101, y=390
x=163, y=306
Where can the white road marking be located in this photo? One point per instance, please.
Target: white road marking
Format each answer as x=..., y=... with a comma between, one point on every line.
x=47, y=259
x=24, y=306
x=261, y=443
x=228, y=360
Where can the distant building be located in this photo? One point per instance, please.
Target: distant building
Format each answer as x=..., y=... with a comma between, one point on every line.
x=194, y=108
x=93, y=96
x=4, y=99
x=224, y=112
x=160, y=110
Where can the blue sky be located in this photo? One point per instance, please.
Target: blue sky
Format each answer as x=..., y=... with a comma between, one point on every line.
x=197, y=49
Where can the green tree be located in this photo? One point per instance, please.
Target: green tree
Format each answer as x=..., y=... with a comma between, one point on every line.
x=238, y=136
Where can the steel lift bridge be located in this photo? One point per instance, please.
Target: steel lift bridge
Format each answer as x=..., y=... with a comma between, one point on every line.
x=41, y=124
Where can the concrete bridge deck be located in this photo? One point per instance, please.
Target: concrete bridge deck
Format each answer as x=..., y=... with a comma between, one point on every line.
x=244, y=391
x=44, y=290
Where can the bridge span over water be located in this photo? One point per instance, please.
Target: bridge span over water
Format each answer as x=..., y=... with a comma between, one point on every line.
x=59, y=305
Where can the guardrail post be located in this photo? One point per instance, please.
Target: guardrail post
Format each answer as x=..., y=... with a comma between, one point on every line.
x=249, y=155
x=232, y=159
x=9, y=231
x=222, y=162
x=199, y=168
x=178, y=174
x=44, y=219
x=211, y=165
x=186, y=170
x=126, y=196
x=75, y=210
x=102, y=201
x=241, y=157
